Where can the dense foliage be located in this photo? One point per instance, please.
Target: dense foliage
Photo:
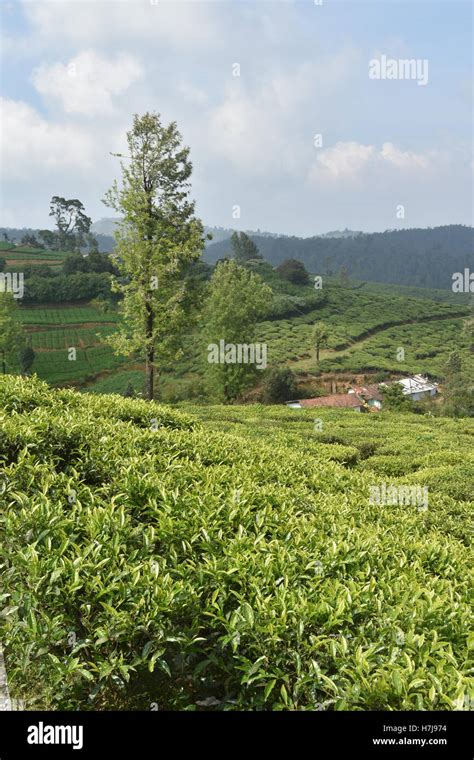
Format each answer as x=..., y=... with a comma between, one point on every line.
x=279, y=385
x=243, y=248
x=78, y=286
x=293, y=271
x=236, y=298
x=236, y=562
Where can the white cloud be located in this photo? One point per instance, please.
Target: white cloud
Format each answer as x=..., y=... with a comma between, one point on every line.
x=88, y=82
x=87, y=22
x=30, y=144
x=349, y=160
x=403, y=159
x=251, y=138
x=344, y=159
x=250, y=133
x=192, y=94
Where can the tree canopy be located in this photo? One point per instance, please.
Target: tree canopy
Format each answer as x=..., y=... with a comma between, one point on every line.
x=158, y=238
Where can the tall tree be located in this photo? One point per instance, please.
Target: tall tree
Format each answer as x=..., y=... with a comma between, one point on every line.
x=49, y=238
x=236, y=299
x=71, y=221
x=243, y=248
x=157, y=239
x=320, y=337
x=11, y=333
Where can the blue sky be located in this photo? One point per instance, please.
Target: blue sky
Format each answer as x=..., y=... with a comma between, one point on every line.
x=74, y=72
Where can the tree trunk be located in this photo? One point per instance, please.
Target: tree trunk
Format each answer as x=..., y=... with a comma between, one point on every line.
x=150, y=375
x=150, y=348
x=150, y=356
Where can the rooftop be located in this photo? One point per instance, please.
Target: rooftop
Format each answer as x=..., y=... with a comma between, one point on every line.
x=339, y=400
x=367, y=391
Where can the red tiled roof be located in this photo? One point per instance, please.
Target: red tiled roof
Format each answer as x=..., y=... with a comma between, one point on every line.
x=335, y=400
x=368, y=391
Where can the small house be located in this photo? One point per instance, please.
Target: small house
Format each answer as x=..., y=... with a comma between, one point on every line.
x=370, y=394
x=334, y=401
x=418, y=387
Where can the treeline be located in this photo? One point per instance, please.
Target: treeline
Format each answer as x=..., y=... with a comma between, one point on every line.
x=82, y=278
x=49, y=239
x=418, y=257
x=67, y=287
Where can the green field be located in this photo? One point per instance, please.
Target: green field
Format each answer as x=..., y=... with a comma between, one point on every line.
x=367, y=325
x=426, y=346
x=119, y=382
x=37, y=316
x=89, y=362
x=31, y=257
x=226, y=558
x=52, y=340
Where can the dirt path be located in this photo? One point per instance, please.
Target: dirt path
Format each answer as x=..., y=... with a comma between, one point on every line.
x=365, y=336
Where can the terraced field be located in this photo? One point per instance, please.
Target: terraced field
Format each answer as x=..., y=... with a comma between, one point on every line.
x=367, y=325
x=17, y=257
x=54, y=340
x=425, y=344
x=88, y=364
x=85, y=329
x=73, y=315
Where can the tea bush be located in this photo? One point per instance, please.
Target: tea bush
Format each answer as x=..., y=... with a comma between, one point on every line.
x=227, y=558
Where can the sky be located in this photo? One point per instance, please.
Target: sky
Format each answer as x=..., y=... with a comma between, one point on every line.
x=289, y=129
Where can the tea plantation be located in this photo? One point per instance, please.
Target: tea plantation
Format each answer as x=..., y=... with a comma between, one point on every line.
x=367, y=325
x=224, y=558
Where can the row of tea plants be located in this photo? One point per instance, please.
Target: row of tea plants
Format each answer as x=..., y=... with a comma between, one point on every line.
x=226, y=558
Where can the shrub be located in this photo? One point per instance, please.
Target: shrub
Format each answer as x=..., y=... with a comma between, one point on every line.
x=279, y=386
x=294, y=271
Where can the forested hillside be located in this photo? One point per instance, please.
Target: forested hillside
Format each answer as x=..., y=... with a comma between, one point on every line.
x=418, y=257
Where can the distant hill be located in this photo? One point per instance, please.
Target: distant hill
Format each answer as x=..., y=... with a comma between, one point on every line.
x=341, y=233
x=425, y=258
x=416, y=257
x=106, y=227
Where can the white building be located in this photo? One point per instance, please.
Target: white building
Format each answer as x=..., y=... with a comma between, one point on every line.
x=418, y=387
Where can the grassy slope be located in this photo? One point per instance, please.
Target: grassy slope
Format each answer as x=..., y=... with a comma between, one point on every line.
x=232, y=562
x=351, y=315
x=434, y=330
